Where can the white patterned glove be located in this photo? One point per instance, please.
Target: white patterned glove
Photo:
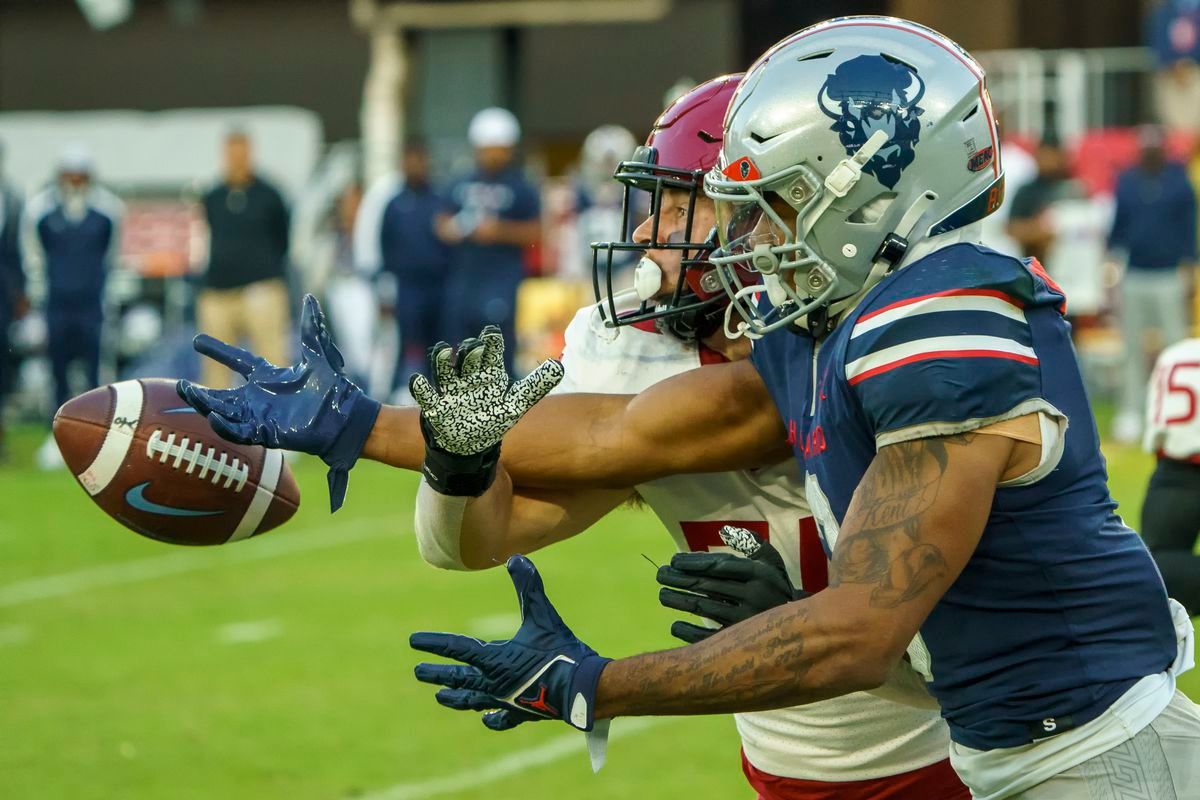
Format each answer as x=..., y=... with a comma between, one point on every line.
x=473, y=406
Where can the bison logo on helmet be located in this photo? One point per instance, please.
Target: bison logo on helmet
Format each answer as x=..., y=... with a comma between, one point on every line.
x=872, y=93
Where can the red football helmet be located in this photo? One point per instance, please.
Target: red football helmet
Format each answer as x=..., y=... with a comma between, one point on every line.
x=683, y=145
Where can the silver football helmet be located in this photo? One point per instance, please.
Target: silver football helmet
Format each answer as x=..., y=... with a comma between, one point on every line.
x=845, y=144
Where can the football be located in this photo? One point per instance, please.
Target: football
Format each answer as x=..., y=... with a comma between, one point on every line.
x=154, y=465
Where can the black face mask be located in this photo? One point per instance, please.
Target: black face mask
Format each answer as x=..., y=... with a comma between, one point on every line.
x=684, y=314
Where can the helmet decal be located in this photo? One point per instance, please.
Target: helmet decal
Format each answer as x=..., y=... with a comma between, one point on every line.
x=872, y=93
x=742, y=170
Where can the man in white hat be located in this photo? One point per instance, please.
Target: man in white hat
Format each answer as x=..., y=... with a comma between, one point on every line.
x=492, y=216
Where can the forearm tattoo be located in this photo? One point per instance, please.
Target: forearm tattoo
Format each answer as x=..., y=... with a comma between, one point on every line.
x=882, y=545
x=785, y=656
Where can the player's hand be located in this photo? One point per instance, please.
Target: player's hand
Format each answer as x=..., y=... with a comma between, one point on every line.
x=470, y=407
x=543, y=672
x=311, y=406
x=724, y=587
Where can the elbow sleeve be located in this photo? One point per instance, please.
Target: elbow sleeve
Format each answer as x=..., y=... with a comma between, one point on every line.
x=438, y=523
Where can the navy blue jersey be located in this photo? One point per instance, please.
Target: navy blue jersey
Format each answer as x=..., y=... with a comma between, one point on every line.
x=507, y=196
x=409, y=247
x=1060, y=608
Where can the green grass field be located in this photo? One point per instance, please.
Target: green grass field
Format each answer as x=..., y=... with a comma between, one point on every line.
x=278, y=667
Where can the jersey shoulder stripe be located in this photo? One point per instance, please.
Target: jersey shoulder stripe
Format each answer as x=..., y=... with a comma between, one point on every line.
x=937, y=347
x=966, y=322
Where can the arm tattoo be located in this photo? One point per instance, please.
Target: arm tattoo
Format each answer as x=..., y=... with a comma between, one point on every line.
x=884, y=549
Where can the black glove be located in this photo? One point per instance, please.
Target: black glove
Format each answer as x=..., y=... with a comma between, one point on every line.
x=725, y=587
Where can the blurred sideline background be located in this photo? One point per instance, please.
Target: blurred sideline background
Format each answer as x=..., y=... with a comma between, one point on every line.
x=278, y=668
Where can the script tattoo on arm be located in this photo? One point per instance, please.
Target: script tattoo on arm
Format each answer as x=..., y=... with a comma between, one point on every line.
x=913, y=523
x=884, y=547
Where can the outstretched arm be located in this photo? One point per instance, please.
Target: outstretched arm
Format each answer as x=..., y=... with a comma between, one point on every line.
x=911, y=528
x=709, y=419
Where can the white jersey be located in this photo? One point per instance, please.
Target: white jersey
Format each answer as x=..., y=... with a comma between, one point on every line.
x=849, y=738
x=1173, y=403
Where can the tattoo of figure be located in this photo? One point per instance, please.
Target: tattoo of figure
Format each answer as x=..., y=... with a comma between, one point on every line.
x=884, y=547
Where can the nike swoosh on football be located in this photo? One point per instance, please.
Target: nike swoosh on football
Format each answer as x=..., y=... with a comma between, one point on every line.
x=136, y=497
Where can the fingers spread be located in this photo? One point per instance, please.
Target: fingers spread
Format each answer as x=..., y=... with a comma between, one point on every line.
x=424, y=394
x=441, y=361
x=223, y=401
x=700, y=605
x=240, y=432
x=453, y=676
x=506, y=719
x=467, y=700
x=493, y=347
x=526, y=392
x=714, y=565
x=690, y=633
x=469, y=357
x=449, y=645
x=240, y=361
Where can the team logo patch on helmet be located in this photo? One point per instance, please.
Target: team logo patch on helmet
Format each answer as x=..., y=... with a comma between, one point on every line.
x=874, y=93
x=980, y=159
x=742, y=170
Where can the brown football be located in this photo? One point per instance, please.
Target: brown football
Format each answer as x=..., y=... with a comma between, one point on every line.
x=155, y=466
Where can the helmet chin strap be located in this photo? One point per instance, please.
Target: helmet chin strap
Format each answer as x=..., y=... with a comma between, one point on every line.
x=881, y=266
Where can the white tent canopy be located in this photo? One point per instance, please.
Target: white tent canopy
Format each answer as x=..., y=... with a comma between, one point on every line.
x=167, y=149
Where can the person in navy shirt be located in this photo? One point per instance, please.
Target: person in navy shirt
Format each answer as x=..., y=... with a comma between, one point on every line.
x=492, y=216
x=71, y=230
x=1154, y=233
x=13, y=302
x=395, y=236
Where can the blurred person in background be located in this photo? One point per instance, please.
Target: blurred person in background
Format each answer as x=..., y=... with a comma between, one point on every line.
x=1028, y=223
x=395, y=237
x=1020, y=168
x=245, y=293
x=347, y=293
x=1173, y=35
x=492, y=215
x=1154, y=234
x=598, y=199
x=13, y=303
x=70, y=238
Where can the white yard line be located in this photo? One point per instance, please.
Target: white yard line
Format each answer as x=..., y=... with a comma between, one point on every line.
x=250, y=631
x=512, y=764
x=272, y=545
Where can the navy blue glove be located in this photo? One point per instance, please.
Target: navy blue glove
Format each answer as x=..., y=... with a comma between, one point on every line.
x=544, y=672
x=310, y=406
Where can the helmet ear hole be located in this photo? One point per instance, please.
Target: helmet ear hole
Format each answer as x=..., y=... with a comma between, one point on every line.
x=873, y=210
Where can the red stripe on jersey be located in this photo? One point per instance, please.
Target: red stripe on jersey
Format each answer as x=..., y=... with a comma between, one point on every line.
x=814, y=567
x=941, y=354
x=1012, y=301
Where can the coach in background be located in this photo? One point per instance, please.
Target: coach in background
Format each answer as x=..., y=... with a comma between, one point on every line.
x=395, y=236
x=1154, y=228
x=492, y=215
x=13, y=303
x=70, y=236
x=245, y=294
